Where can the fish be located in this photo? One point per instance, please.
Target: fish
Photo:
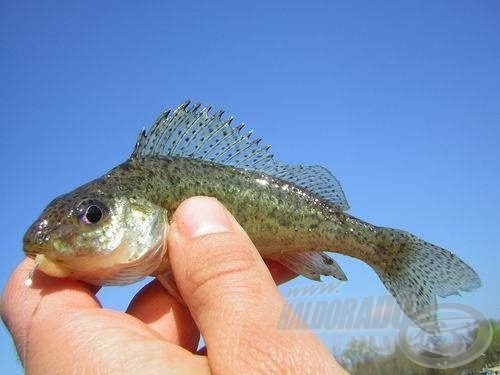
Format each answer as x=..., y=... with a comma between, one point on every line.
x=112, y=230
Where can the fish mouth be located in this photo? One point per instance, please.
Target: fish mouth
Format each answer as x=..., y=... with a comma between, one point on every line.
x=43, y=262
x=32, y=250
x=51, y=267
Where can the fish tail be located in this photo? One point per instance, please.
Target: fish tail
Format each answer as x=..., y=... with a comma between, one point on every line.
x=415, y=272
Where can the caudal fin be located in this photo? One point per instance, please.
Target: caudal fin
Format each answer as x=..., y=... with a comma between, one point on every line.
x=415, y=272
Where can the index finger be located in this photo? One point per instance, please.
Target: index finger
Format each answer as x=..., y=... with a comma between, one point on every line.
x=58, y=316
x=21, y=303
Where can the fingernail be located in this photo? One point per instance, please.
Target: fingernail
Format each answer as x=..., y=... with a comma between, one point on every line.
x=200, y=216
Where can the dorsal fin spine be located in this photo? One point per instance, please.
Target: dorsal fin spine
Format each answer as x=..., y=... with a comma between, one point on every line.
x=219, y=114
x=218, y=142
x=212, y=135
x=193, y=123
x=253, y=143
x=184, y=105
x=191, y=132
x=195, y=107
x=249, y=156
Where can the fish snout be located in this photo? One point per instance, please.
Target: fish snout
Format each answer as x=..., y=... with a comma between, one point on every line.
x=36, y=238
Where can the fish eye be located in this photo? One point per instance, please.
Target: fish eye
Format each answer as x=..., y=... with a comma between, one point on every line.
x=91, y=212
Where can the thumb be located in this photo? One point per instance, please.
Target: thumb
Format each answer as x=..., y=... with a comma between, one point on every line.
x=232, y=296
x=214, y=262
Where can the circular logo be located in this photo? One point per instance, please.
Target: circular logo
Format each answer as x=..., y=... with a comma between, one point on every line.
x=464, y=335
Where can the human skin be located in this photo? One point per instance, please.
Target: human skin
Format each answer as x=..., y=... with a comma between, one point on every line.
x=59, y=326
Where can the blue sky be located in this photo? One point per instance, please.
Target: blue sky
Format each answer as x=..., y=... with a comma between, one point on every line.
x=399, y=99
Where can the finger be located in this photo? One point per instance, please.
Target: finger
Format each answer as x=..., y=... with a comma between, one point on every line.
x=19, y=302
x=165, y=315
x=56, y=316
x=233, y=297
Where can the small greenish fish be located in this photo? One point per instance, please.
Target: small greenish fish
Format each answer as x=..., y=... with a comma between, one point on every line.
x=112, y=231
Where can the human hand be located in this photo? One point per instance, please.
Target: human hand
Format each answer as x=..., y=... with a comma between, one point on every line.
x=58, y=325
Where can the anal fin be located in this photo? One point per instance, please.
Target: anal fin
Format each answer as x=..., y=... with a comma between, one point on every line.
x=312, y=265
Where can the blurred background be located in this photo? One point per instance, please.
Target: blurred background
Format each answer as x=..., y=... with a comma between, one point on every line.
x=401, y=100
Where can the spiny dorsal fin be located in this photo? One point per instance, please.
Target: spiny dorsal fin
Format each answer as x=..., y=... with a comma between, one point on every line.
x=188, y=132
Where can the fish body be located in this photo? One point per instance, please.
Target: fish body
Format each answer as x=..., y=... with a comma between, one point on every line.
x=279, y=216
x=113, y=229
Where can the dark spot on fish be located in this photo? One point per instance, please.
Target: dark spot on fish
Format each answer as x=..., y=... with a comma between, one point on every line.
x=328, y=261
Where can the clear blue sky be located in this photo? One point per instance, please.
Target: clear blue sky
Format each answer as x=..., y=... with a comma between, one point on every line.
x=401, y=100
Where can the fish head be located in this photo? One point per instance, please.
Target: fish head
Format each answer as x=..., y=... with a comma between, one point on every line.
x=99, y=233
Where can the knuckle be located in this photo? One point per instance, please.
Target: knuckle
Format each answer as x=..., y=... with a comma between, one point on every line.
x=282, y=355
x=222, y=263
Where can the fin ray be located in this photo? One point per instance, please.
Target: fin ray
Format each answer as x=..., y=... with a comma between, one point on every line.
x=415, y=272
x=188, y=132
x=311, y=265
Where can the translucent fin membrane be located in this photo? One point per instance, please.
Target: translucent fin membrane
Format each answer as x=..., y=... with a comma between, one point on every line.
x=420, y=271
x=190, y=132
x=312, y=265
